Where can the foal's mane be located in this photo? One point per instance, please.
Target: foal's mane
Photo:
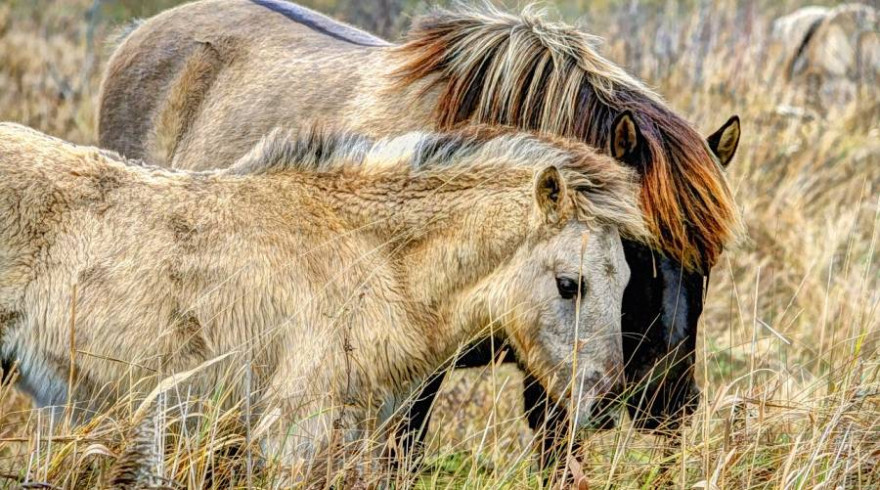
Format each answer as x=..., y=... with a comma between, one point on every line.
x=604, y=192
x=523, y=71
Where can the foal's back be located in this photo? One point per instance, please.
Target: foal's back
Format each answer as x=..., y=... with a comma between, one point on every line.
x=170, y=269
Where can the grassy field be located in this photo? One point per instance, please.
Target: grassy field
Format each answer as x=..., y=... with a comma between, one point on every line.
x=788, y=352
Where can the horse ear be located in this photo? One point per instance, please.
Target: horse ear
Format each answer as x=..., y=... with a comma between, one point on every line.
x=724, y=142
x=626, y=139
x=549, y=193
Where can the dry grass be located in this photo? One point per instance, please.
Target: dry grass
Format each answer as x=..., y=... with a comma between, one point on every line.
x=788, y=356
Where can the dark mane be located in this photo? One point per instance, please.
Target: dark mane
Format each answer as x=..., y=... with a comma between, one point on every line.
x=797, y=59
x=312, y=149
x=320, y=149
x=499, y=69
x=604, y=192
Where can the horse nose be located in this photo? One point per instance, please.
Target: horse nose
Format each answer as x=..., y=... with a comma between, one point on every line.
x=608, y=386
x=614, y=373
x=608, y=381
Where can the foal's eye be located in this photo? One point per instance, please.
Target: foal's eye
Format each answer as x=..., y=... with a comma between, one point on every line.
x=568, y=288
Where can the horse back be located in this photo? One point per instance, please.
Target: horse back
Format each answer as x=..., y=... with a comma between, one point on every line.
x=158, y=80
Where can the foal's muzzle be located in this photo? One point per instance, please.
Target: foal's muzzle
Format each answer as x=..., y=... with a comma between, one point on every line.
x=605, y=388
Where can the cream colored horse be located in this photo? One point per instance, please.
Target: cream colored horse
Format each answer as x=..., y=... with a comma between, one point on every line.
x=344, y=271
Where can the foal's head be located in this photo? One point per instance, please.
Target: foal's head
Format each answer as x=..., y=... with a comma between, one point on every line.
x=559, y=296
x=562, y=303
x=521, y=231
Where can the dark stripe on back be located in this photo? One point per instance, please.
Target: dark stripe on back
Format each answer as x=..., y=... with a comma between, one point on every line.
x=322, y=24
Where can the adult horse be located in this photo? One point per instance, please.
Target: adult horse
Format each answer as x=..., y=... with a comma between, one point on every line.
x=837, y=55
x=344, y=271
x=197, y=85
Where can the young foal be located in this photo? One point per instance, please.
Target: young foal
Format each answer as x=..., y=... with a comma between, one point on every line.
x=344, y=271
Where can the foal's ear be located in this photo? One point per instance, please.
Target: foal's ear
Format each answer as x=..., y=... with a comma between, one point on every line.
x=550, y=192
x=724, y=142
x=626, y=139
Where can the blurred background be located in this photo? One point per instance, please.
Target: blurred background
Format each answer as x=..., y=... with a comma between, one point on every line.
x=788, y=351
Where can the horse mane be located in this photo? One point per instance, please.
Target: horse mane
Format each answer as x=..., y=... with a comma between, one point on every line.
x=523, y=71
x=312, y=149
x=604, y=192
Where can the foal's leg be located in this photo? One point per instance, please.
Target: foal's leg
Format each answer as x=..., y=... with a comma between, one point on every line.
x=314, y=446
x=413, y=431
x=412, y=434
x=548, y=419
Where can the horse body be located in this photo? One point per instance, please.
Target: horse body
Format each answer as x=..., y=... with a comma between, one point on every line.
x=797, y=24
x=189, y=116
x=342, y=272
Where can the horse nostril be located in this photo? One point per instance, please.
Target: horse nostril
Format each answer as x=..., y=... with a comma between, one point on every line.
x=605, y=383
x=615, y=387
x=604, y=413
x=614, y=370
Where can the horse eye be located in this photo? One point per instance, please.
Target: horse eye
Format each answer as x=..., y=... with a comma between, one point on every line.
x=568, y=288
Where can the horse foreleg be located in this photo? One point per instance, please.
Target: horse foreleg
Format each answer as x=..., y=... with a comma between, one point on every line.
x=412, y=432
x=548, y=420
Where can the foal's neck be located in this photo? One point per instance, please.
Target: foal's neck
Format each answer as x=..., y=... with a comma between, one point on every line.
x=446, y=231
x=410, y=208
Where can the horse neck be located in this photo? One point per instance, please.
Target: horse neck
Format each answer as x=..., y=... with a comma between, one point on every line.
x=445, y=232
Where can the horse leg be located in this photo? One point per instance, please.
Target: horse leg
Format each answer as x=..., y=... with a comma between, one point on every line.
x=547, y=419
x=411, y=434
